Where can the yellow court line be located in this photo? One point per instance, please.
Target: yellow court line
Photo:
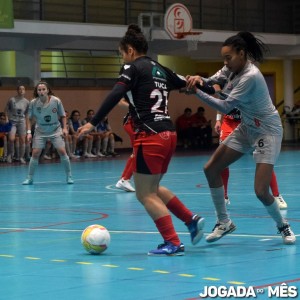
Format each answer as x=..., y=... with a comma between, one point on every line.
x=110, y=266
x=187, y=275
x=58, y=260
x=129, y=268
x=161, y=272
x=211, y=278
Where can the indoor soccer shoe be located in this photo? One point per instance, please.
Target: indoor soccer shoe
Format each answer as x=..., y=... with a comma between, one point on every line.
x=220, y=230
x=167, y=249
x=125, y=185
x=22, y=161
x=196, y=229
x=27, y=181
x=70, y=179
x=227, y=201
x=280, y=201
x=287, y=234
x=89, y=155
x=9, y=159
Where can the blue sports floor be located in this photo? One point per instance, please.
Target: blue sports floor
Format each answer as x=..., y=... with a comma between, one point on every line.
x=41, y=256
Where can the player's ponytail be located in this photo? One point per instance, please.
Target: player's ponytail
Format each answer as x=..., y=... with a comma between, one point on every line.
x=254, y=48
x=133, y=28
x=135, y=38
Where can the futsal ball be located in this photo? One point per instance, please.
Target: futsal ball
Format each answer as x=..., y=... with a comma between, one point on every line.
x=95, y=239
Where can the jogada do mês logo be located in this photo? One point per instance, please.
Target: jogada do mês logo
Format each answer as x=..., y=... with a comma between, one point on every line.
x=281, y=291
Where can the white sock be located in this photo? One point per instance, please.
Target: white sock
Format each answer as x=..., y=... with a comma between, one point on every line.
x=66, y=163
x=217, y=195
x=275, y=213
x=32, y=165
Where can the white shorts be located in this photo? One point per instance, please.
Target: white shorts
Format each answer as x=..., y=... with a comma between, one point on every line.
x=266, y=148
x=18, y=127
x=56, y=138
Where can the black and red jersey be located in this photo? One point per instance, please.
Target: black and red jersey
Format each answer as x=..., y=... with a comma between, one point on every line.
x=146, y=85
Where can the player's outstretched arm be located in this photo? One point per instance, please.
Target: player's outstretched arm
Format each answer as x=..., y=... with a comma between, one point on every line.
x=86, y=128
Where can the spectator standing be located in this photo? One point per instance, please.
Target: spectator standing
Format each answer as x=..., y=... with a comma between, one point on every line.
x=17, y=110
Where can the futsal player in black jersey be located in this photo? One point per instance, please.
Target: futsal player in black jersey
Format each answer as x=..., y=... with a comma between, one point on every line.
x=147, y=85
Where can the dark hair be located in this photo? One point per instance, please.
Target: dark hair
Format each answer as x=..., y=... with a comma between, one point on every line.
x=35, y=93
x=135, y=38
x=75, y=111
x=254, y=48
x=187, y=109
x=18, y=86
x=89, y=111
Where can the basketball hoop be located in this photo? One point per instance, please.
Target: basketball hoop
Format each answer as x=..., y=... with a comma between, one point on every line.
x=192, y=41
x=192, y=38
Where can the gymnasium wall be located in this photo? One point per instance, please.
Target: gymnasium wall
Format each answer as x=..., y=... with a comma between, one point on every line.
x=90, y=98
x=86, y=99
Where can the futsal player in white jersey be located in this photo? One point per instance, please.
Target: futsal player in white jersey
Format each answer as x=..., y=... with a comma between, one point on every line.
x=47, y=111
x=260, y=129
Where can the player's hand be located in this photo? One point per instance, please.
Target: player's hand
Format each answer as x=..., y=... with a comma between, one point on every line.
x=218, y=127
x=191, y=82
x=85, y=129
x=65, y=131
x=29, y=137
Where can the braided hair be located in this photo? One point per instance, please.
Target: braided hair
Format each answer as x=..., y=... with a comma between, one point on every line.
x=135, y=38
x=254, y=48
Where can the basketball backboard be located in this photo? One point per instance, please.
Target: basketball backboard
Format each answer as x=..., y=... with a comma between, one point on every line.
x=178, y=21
x=179, y=25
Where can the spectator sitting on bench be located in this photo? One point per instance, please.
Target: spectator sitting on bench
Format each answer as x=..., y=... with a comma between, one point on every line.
x=184, y=128
x=202, y=130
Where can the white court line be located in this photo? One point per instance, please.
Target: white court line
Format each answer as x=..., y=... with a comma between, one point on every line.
x=55, y=192
x=263, y=237
x=111, y=190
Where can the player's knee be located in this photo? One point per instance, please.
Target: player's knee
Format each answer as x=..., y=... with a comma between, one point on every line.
x=261, y=193
x=209, y=170
x=139, y=196
x=64, y=156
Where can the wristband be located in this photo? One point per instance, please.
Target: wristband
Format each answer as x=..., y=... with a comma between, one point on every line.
x=28, y=131
x=218, y=117
x=206, y=88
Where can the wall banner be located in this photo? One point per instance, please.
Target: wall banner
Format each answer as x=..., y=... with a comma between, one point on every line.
x=6, y=14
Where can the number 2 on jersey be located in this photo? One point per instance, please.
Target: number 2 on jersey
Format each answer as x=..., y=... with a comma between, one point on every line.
x=162, y=101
